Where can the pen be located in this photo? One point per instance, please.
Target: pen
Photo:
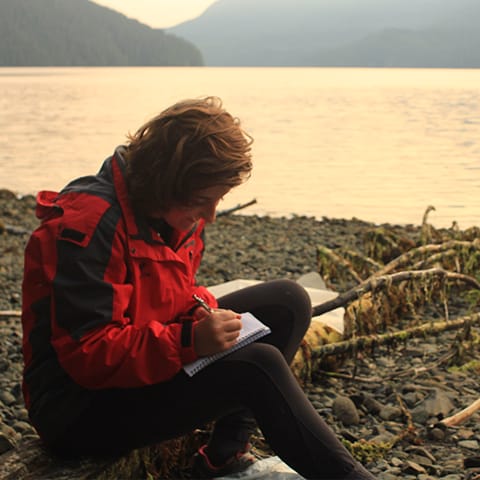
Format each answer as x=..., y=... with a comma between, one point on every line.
x=202, y=303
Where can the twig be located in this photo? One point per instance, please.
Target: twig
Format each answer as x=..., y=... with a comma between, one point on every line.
x=10, y=313
x=338, y=260
x=228, y=211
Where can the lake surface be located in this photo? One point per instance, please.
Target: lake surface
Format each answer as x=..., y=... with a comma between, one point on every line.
x=377, y=144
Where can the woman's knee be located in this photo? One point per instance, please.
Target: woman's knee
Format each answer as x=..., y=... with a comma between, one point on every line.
x=261, y=357
x=295, y=297
x=294, y=292
x=261, y=374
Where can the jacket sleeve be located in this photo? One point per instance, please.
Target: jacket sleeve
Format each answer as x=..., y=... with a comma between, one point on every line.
x=96, y=341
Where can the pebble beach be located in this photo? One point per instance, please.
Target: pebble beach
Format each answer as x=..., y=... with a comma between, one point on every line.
x=389, y=412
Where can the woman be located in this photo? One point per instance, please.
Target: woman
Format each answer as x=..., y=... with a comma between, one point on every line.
x=109, y=317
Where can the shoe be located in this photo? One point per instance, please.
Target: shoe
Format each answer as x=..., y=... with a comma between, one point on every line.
x=202, y=468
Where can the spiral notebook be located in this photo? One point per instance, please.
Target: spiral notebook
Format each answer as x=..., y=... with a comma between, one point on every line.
x=252, y=329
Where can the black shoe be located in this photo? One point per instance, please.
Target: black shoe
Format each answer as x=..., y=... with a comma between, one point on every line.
x=202, y=467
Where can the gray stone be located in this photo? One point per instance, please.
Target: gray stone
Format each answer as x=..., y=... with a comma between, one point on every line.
x=23, y=427
x=6, y=443
x=421, y=451
x=412, y=468
x=396, y=462
x=438, y=404
x=390, y=412
x=470, y=444
x=421, y=460
x=7, y=430
x=387, y=476
x=372, y=405
x=7, y=398
x=419, y=414
x=437, y=434
x=465, y=433
x=345, y=410
x=385, y=437
x=22, y=414
x=410, y=399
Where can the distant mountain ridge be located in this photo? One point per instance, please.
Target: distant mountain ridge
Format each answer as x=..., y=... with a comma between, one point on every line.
x=80, y=32
x=371, y=33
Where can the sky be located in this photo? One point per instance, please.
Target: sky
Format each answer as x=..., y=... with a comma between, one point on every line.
x=158, y=13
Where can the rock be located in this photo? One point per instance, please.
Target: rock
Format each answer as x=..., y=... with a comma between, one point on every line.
x=419, y=414
x=413, y=468
x=438, y=404
x=8, y=431
x=390, y=413
x=421, y=451
x=23, y=427
x=437, y=434
x=465, y=433
x=7, y=398
x=389, y=475
x=372, y=405
x=470, y=444
x=410, y=398
x=345, y=410
x=421, y=460
x=6, y=443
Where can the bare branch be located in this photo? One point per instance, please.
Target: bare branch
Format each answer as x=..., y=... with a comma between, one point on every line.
x=375, y=283
x=369, y=341
x=424, y=250
x=461, y=416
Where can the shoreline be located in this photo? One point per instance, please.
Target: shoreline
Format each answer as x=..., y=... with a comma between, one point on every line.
x=237, y=245
x=248, y=209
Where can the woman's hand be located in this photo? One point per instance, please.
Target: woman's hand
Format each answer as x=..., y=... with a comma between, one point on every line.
x=215, y=332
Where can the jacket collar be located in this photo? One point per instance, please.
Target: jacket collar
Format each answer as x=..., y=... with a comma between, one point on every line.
x=137, y=225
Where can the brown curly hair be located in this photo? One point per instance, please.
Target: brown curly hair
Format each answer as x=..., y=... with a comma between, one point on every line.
x=190, y=146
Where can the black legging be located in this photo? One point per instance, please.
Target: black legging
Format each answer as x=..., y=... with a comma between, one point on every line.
x=256, y=379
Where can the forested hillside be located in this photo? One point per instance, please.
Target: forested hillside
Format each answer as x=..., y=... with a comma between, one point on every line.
x=370, y=33
x=80, y=32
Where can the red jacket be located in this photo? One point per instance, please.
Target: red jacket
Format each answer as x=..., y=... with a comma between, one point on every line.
x=106, y=300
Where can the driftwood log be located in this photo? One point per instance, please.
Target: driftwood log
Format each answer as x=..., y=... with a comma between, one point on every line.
x=30, y=461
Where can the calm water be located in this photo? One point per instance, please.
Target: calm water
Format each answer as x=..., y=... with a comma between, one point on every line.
x=377, y=144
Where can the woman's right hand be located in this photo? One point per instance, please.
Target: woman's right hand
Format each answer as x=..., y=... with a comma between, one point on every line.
x=215, y=332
